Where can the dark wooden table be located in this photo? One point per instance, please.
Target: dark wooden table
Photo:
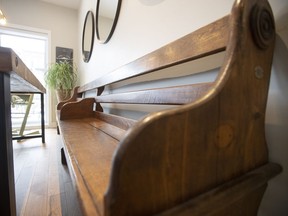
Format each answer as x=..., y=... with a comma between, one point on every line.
x=14, y=77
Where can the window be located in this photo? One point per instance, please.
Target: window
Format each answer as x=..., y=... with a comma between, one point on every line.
x=32, y=48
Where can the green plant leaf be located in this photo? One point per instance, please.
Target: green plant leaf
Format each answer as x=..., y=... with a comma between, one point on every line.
x=62, y=75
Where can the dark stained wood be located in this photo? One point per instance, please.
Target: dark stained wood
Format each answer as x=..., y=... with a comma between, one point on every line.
x=73, y=98
x=209, y=131
x=169, y=96
x=22, y=80
x=206, y=41
x=118, y=121
x=43, y=185
x=81, y=109
x=242, y=188
x=84, y=164
x=108, y=129
x=212, y=147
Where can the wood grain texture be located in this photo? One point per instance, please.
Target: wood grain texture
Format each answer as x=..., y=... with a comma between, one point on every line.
x=203, y=42
x=22, y=79
x=170, y=157
x=43, y=185
x=239, y=189
x=89, y=157
x=118, y=121
x=176, y=95
x=74, y=97
x=109, y=129
x=182, y=148
x=79, y=109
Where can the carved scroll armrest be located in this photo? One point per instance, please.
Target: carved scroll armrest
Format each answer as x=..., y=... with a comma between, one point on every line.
x=71, y=99
x=78, y=109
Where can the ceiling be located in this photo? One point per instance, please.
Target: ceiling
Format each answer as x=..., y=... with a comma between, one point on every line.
x=74, y=4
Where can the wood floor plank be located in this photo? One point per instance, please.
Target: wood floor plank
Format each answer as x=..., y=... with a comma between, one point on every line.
x=72, y=200
x=55, y=205
x=43, y=184
x=36, y=205
x=38, y=195
x=21, y=158
x=53, y=185
x=22, y=187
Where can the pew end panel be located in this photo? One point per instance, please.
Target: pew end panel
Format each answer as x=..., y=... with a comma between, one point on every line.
x=210, y=149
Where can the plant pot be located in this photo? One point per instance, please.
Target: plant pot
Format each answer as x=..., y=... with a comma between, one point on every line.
x=63, y=95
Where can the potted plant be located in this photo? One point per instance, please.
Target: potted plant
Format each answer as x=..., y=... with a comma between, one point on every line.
x=62, y=77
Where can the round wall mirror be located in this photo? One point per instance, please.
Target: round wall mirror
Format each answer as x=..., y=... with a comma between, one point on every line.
x=107, y=13
x=88, y=36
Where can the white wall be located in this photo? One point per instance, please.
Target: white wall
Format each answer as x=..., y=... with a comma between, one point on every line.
x=62, y=22
x=142, y=27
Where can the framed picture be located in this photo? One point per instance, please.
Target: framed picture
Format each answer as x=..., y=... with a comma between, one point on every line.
x=64, y=54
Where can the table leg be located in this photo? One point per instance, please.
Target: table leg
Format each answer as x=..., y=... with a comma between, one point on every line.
x=7, y=185
x=42, y=118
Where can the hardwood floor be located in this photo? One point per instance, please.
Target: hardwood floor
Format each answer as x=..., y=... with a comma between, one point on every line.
x=43, y=185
